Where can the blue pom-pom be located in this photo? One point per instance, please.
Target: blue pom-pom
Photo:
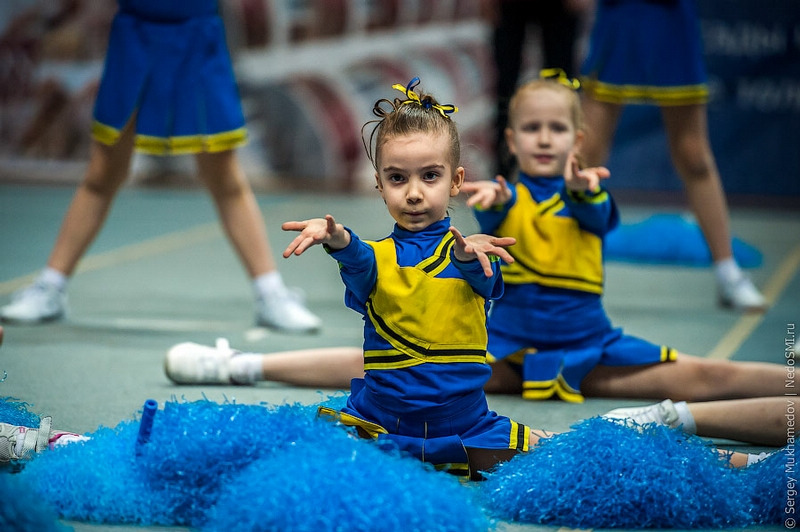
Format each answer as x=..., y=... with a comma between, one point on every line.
x=20, y=511
x=216, y=466
x=670, y=239
x=15, y=412
x=606, y=474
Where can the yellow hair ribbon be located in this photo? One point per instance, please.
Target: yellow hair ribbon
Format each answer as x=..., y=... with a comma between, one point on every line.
x=413, y=97
x=558, y=74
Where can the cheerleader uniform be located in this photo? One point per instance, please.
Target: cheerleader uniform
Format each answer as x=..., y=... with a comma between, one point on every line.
x=424, y=348
x=550, y=324
x=168, y=63
x=646, y=51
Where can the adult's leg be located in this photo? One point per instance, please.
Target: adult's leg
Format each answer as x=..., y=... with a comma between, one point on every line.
x=689, y=378
x=238, y=210
x=107, y=170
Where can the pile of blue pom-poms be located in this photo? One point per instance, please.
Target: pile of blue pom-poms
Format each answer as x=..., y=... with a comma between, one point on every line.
x=606, y=474
x=214, y=466
x=247, y=467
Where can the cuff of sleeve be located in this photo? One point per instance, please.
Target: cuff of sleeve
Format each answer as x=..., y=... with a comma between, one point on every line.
x=587, y=196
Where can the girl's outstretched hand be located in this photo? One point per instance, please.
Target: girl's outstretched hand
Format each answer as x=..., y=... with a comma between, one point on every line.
x=315, y=231
x=486, y=194
x=480, y=246
x=579, y=180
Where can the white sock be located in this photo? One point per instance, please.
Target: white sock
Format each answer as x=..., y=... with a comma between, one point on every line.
x=755, y=458
x=52, y=277
x=269, y=284
x=245, y=368
x=727, y=270
x=686, y=418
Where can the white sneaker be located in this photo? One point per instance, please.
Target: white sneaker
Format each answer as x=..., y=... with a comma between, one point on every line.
x=286, y=312
x=663, y=413
x=741, y=294
x=190, y=363
x=36, y=303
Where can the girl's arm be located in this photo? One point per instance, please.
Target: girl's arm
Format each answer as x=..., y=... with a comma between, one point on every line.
x=477, y=258
x=588, y=201
x=356, y=259
x=490, y=201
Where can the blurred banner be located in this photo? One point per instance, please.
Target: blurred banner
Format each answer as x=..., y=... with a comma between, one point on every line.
x=309, y=72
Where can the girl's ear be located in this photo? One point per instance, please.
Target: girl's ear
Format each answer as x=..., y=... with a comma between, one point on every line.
x=579, y=136
x=509, y=134
x=458, y=180
x=378, y=184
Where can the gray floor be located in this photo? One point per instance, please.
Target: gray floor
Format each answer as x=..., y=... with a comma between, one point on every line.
x=161, y=272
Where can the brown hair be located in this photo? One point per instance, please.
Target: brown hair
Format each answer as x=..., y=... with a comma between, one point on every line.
x=418, y=114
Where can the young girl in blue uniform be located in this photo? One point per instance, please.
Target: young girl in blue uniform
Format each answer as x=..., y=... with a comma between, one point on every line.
x=167, y=88
x=550, y=327
x=423, y=385
x=650, y=52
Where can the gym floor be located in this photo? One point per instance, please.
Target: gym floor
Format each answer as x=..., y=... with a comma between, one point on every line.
x=162, y=272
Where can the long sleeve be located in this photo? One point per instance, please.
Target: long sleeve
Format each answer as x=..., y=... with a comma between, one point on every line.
x=596, y=212
x=358, y=270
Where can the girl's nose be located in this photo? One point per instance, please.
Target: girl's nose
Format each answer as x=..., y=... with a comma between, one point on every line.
x=544, y=136
x=414, y=191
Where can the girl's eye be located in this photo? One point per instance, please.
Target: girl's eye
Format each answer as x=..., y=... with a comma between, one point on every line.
x=530, y=128
x=430, y=176
x=395, y=178
x=560, y=128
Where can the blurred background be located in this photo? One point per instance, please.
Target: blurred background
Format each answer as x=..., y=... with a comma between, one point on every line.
x=310, y=70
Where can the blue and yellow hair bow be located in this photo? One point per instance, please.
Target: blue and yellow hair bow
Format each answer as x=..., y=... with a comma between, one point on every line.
x=558, y=74
x=413, y=97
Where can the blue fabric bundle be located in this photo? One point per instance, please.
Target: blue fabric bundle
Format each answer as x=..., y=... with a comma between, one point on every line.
x=605, y=474
x=670, y=239
x=247, y=467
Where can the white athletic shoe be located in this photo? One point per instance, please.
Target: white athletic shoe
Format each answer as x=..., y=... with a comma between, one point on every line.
x=36, y=303
x=286, y=312
x=19, y=443
x=663, y=413
x=741, y=294
x=190, y=363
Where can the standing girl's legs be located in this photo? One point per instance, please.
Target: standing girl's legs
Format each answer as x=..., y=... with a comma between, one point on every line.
x=241, y=217
x=238, y=211
x=601, y=123
x=687, y=133
x=46, y=298
x=107, y=171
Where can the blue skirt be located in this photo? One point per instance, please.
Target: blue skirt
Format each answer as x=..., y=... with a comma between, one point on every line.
x=174, y=75
x=646, y=52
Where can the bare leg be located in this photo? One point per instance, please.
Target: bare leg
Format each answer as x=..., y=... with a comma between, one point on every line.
x=601, y=123
x=759, y=420
x=689, y=378
x=108, y=169
x=238, y=210
x=687, y=133
x=503, y=380
x=329, y=367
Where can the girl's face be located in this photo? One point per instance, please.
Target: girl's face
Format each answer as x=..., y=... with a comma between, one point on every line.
x=541, y=132
x=416, y=178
